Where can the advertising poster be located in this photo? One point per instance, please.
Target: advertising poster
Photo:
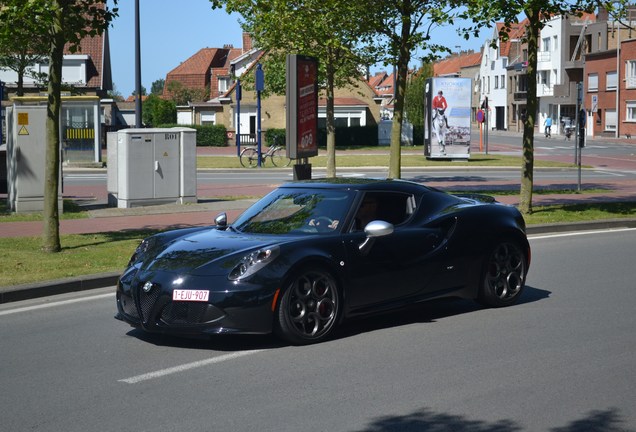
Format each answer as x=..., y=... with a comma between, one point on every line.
x=447, y=118
x=302, y=106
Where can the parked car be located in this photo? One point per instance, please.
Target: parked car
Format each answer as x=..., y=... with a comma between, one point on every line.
x=311, y=254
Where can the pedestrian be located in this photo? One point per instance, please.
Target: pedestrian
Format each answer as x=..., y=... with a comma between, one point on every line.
x=548, y=127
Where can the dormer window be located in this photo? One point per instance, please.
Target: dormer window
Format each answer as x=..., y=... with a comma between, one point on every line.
x=224, y=84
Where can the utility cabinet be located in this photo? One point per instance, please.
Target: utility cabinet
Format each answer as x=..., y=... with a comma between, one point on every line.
x=151, y=166
x=26, y=157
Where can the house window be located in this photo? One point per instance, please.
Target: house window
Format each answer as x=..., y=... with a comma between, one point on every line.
x=630, y=74
x=545, y=44
x=630, y=116
x=610, y=81
x=610, y=119
x=555, y=45
x=544, y=77
x=503, y=81
x=208, y=118
x=496, y=81
x=592, y=82
x=224, y=84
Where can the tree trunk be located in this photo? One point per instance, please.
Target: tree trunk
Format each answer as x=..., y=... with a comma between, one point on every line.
x=395, y=160
x=331, y=124
x=51, y=233
x=527, y=164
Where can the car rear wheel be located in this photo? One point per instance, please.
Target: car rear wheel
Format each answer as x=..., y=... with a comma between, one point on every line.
x=309, y=308
x=504, y=276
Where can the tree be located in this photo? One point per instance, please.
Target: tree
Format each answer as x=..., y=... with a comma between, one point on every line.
x=414, y=97
x=485, y=13
x=181, y=94
x=143, y=91
x=400, y=27
x=62, y=23
x=21, y=43
x=329, y=30
x=156, y=87
x=158, y=111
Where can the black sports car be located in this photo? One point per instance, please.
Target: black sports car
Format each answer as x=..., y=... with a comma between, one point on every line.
x=311, y=254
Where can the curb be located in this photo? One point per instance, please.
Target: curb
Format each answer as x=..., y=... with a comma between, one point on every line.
x=105, y=280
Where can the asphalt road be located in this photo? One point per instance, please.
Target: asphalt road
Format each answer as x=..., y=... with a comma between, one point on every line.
x=562, y=360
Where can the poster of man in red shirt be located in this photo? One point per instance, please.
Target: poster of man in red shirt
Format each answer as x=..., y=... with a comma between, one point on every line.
x=447, y=123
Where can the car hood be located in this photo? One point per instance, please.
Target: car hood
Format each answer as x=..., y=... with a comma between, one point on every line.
x=207, y=252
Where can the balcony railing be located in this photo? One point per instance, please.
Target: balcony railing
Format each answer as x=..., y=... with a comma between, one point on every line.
x=520, y=95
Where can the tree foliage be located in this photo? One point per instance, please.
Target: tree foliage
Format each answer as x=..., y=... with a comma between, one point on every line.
x=61, y=23
x=181, y=95
x=22, y=42
x=414, y=98
x=329, y=30
x=158, y=111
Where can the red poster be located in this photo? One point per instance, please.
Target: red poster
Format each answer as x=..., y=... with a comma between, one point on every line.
x=307, y=73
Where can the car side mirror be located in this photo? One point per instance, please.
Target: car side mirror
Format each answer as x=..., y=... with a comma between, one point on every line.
x=221, y=221
x=373, y=230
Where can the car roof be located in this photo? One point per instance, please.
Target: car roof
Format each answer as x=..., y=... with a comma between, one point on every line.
x=358, y=183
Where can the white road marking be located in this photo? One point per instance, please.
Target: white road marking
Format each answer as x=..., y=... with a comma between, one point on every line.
x=54, y=304
x=579, y=233
x=187, y=366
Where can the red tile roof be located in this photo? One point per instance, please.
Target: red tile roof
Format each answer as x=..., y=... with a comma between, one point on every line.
x=452, y=65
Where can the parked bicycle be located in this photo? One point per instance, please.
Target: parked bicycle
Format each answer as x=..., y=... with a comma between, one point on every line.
x=276, y=154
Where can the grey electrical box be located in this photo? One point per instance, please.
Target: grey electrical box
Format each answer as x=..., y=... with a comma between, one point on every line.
x=151, y=166
x=26, y=157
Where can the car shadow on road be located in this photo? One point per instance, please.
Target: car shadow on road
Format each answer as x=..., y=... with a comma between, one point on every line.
x=224, y=343
x=427, y=312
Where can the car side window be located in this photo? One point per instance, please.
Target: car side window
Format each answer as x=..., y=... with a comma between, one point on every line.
x=395, y=208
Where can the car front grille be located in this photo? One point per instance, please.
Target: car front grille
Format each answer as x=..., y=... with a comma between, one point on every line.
x=147, y=302
x=187, y=314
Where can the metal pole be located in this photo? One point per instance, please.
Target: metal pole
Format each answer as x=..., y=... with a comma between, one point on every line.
x=1, y=116
x=238, y=117
x=137, y=68
x=260, y=86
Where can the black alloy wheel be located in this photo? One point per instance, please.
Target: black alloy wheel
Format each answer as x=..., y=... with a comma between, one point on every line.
x=309, y=308
x=504, y=276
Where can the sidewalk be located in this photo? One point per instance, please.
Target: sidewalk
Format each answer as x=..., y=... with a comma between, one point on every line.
x=104, y=219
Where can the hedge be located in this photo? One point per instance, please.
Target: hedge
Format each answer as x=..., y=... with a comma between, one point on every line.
x=207, y=136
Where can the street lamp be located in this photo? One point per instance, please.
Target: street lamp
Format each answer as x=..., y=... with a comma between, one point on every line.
x=137, y=68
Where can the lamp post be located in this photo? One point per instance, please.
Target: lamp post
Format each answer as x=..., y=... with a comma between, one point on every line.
x=137, y=68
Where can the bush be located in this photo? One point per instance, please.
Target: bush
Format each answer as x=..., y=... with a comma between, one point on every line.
x=207, y=136
x=275, y=136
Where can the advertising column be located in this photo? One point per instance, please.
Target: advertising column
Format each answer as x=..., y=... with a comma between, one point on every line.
x=302, y=112
x=447, y=118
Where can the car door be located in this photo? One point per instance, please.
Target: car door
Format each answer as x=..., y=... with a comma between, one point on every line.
x=395, y=266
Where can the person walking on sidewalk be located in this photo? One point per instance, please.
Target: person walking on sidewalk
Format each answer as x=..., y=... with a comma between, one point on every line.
x=548, y=127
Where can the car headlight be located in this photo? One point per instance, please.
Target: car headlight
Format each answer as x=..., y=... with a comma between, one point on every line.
x=141, y=250
x=253, y=262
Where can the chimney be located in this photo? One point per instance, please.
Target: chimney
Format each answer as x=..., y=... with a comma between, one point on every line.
x=247, y=42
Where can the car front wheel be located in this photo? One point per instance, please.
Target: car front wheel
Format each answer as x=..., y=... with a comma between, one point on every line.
x=309, y=308
x=504, y=276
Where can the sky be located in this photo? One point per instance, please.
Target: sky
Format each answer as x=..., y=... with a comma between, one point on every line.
x=171, y=31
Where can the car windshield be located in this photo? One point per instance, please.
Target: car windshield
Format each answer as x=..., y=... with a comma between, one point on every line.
x=295, y=211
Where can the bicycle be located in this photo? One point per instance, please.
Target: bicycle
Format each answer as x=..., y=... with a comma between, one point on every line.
x=276, y=154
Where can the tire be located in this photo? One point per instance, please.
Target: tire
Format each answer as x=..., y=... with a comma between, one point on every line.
x=279, y=158
x=249, y=158
x=504, y=276
x=309, y=309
